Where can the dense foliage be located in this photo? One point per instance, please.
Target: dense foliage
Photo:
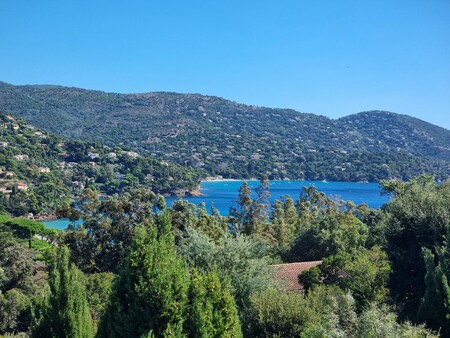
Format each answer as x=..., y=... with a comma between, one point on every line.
x=63, y=311
x=39, y=171
x=136, y=268
x=236, y=140
x=155, y=294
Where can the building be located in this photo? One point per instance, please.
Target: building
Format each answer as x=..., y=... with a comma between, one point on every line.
x=20, y=185
x=43, y=170
x=287, y=274
x=93, y=155
x=21, y=157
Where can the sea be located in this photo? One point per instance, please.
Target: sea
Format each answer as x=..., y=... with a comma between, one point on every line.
x=224, y=194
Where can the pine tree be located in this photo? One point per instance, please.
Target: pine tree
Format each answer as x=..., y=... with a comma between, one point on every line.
x=259, y=211
x=64, y=311
x=241, y=215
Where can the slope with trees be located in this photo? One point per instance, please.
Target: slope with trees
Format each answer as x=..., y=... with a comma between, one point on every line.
x=236, y=140
x=40, y=171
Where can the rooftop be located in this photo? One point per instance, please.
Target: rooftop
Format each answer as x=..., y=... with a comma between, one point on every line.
x=287, y=274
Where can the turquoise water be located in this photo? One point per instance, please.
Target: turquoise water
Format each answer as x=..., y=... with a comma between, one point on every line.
x=224, y=194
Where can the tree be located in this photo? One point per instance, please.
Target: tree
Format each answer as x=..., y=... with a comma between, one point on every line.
x=155, y=295
x=259, y=210
x=64, y=310
x=26, y=228
x=99, y=288
x=324, y=312
x=241, y=259
x=151, y=292
x=364, y=274
x=434, y=309
x=241, y=216
x=15, y=308
x=416, y=217
x=327, y=235
x=283, y=223
x=103, y=241
x=212, y=309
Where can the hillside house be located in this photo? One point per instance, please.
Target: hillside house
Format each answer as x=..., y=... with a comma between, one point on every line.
x=3, y=144
x=131, y=154
x=21, y=157
x=93, y=155
x=43, y=170
x=20, y=186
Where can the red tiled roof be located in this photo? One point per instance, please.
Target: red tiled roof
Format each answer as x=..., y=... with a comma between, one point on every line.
x=287, y=274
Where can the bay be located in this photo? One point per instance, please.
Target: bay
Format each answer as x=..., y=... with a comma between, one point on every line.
x=224, y=194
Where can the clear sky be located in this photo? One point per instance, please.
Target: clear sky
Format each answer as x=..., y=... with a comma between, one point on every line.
x=332, y=58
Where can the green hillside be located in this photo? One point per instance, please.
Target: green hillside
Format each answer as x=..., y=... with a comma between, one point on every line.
x=39, y=171
x=239, y=141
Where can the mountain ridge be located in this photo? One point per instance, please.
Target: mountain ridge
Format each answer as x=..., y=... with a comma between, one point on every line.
x=237, y=140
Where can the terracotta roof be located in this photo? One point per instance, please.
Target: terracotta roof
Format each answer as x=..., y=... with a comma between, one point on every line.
x=288, y=273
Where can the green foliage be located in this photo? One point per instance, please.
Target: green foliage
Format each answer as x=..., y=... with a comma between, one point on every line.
x=155, y=295
x=53, y=169
x=327, y=235
x=26, y=228
x=98, y=288
x=187, y=215
x=16, y=264
x=241, y=216
x=64, y=310
x=239, y=141
x=416, y=217
x=283, y=222
x=103, y=241
x=151, y=292
x=17, y=283
x=378, y=322
x=212, y=309
x=14, y=311
x=434, y=309
x=364, y=274
x=323, y=312
x=240, y=259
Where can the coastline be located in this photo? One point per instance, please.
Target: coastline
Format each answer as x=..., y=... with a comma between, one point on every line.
x=221, y=179
x=46, y=217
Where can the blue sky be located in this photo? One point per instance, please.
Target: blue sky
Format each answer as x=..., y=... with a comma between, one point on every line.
x=332, y=58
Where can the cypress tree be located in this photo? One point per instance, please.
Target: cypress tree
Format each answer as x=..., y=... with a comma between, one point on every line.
x=64, y=311
x=212, y=311
x=435, y=306
x=156, y=296
x=150, y=297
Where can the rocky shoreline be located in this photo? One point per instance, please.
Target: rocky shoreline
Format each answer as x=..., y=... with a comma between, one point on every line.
x=46, y=217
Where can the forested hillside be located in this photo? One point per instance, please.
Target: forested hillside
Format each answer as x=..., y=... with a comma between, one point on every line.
x=39, y=171
x=236, y=140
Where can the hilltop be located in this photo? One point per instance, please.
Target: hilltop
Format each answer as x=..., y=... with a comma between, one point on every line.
x=235, y=140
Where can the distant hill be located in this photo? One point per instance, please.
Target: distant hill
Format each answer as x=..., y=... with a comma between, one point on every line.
x=235, y=140
x=39, y=171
